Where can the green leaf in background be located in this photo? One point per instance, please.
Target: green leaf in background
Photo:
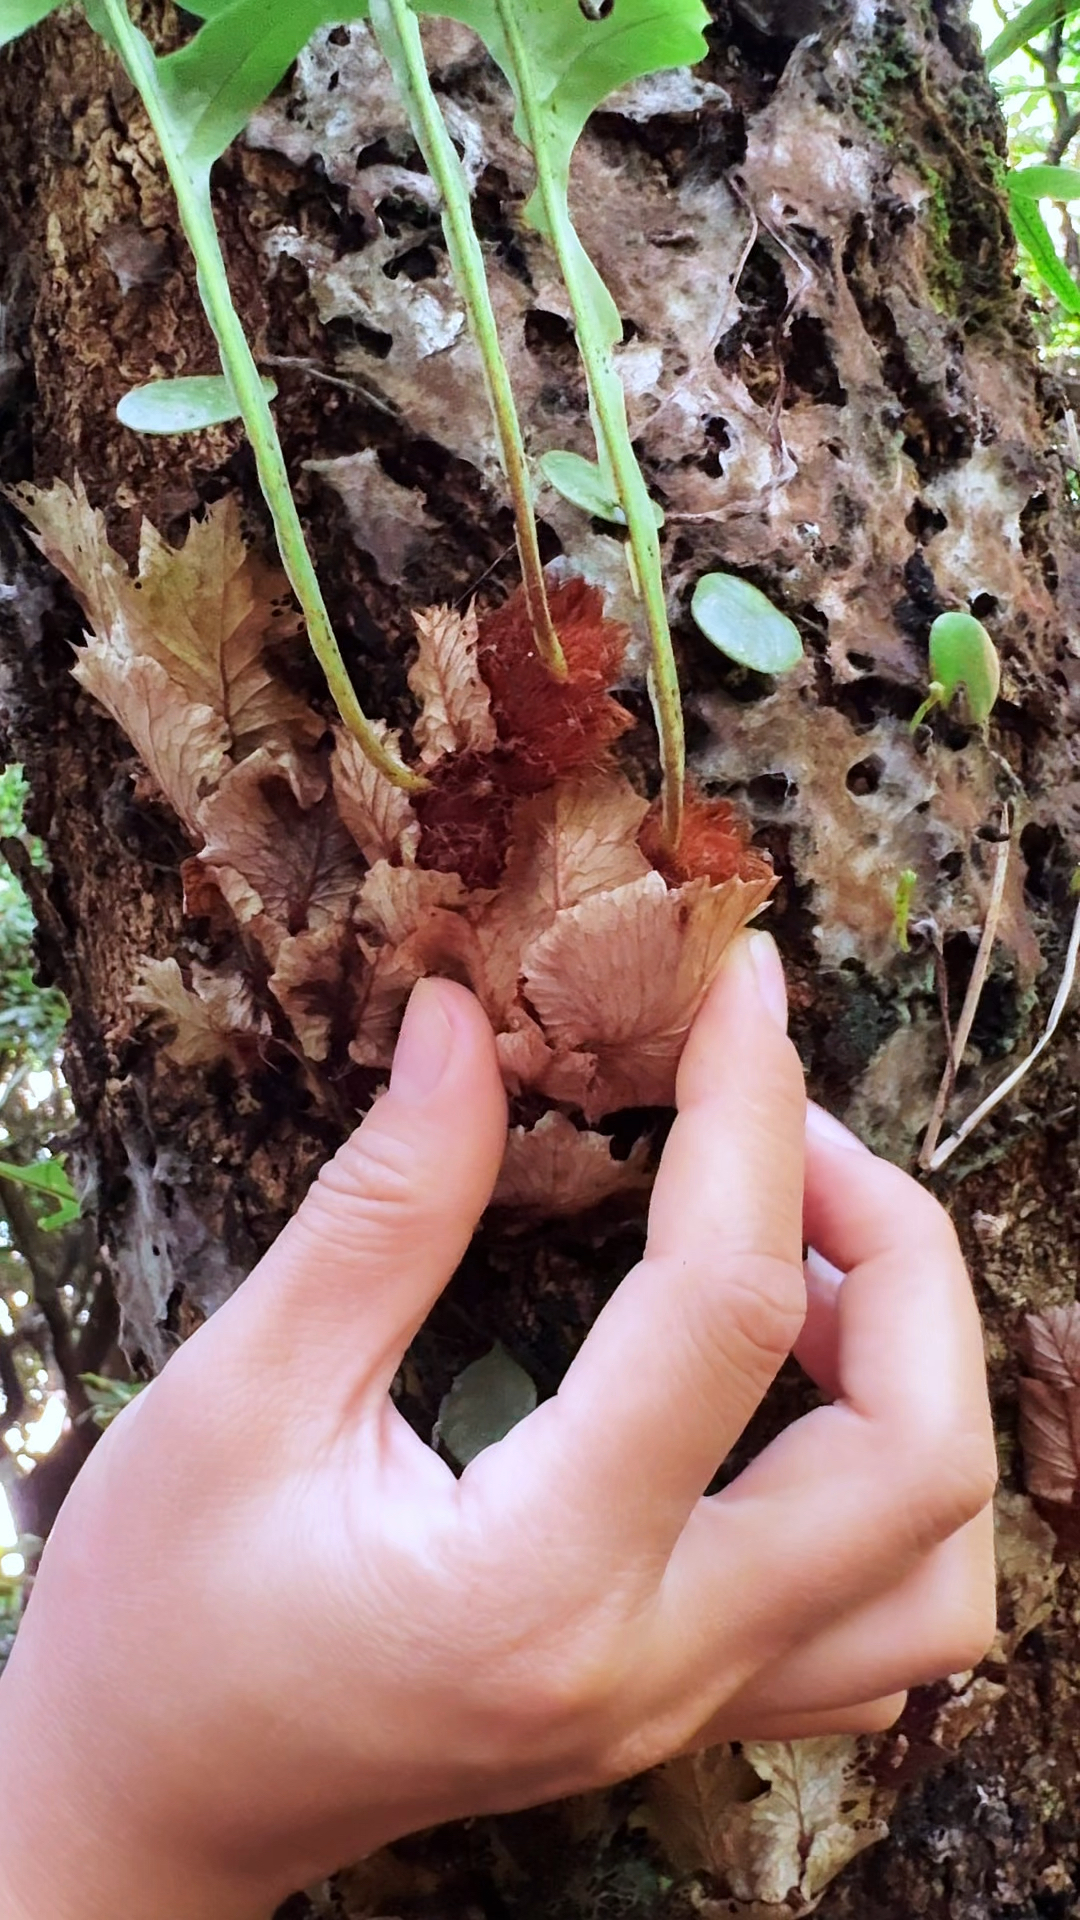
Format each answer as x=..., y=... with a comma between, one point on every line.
x=485, y=1401
x=182, y=406
x=582, y=483
x=743, y=623
x=1044, y=183
x=109, y=1397
x=16, y=16
x=1031, y=20
x=1034, y=234
x=962, y=654
x=49, y=1179
x=214, y=84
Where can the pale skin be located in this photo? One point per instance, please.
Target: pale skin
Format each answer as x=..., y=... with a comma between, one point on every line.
x=199, y=1731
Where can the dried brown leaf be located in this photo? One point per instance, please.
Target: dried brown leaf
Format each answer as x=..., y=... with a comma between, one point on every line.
x=552, y=1168
x=576, y=839
x=215, y=1018
x=690, y=1802
x=379, y=815
x=1050, y=1438
x=206, y=612
x=281, y=857
x=1052, y=1345
x=392, y=974
x=183, y=746
x=308, y=983
x=1028, y=1573
x=396, y=902
x=455, y=703
x=817, y=1815
x=968, y=1712
x=622, y=975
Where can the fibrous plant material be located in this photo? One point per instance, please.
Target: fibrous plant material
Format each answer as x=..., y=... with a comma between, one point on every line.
x=530, y=867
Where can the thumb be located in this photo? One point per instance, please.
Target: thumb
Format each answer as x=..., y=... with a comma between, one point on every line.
x=389, y=1218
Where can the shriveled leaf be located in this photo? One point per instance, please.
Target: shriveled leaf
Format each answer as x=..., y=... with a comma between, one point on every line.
x=583, y=483
x=395, y=902
x=392, y=973
x=743, y=624
x=184, y=405
x=379, y=815
x=72, y=536
x=817, y=1815
x=553, y=1168
x=308, y=983
x=486, y=1400
x=622, y=975
x=184, y=745
x=16, y=16
x=689, y=1804
x=1028, y=1571
x=1050, y=1403
x=1051, y=1343
x=208, y=612
x=214, y=1019
x=576, y=838
x=1050, y=1438
x=49, y=1179
x=455, y=703
x=962, y=654
x=971, y=1711
x=281, y=857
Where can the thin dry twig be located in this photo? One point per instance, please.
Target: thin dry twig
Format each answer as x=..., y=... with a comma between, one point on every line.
x=1061, y=999
x=960, y=1038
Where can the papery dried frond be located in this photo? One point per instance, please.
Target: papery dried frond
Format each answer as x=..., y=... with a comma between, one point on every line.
x=455, y=714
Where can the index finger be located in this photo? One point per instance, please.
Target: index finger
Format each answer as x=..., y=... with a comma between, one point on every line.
x=687, y=1347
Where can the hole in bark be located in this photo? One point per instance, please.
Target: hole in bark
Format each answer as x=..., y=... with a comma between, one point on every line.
x=810, y=365
x=1041, y=848
x=338, y=37
x=984, y=605
x=543, y=329
x=924, y=522
x=864, y=661
x=347, y=331
x=771, y=789
x=865, y=776
x=951, y=865
x=416, y=263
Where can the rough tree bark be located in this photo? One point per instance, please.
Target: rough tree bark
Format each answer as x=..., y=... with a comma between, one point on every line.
x=835, y=392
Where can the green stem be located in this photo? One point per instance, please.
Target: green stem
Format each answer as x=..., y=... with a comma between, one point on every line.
x=192, y=189
x=609, y=403
x=398, y=33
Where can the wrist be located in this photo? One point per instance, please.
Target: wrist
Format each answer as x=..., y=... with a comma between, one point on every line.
x=74, y=1843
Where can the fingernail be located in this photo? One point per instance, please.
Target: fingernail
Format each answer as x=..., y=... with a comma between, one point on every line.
x=832, y=1132
x=424, y=1043
x=769, y=975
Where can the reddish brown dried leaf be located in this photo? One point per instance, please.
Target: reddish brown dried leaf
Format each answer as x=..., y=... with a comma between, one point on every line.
x=465, y=820
x=282, y=865
x=690, y=1801
x=553, y=1168
x=548, y=727
x=1052, y=1345
x=622, y=975
x=379, y=815
x=395, y=902
x=214, y=1019
x=309, y=983
x=1050, y=1437
x=455, y=712
x=576, y=839
x=714, y=844
x=183, y=746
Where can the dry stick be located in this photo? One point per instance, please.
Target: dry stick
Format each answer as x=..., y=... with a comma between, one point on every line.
x=1068, y=979
x=973, y=995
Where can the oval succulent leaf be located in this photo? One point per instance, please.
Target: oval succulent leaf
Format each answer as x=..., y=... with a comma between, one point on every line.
x=183, y=406
x=743, y=624
x=484, y=1402
x=962, y=654
x=582, y=483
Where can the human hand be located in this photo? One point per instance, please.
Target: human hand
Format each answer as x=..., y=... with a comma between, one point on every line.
x=272, y=1631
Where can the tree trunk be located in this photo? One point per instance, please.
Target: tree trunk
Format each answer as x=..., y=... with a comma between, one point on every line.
x=835, y=392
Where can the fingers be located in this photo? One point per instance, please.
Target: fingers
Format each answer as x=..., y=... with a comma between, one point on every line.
x=390, y=1216
x=940, y=1620
x=870, y=1716
x=685, y=1350
x=848, y=1502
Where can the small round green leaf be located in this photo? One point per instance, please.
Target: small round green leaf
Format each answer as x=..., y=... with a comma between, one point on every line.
x=183, y=406
x=741, y=622
x=962, y=654
x=581, y=482
x=485, y=1401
